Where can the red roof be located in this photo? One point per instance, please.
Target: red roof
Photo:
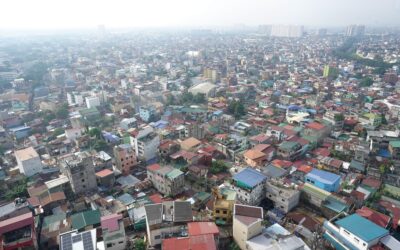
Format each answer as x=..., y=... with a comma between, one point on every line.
x=175, y=243
x=305, y=169
x=315, y=126
x=202, y=242
x=16, y=223
x=322, y=151
x=104, y=173
x=395, y=212
x=374, y=216
x=110, y=222
x=201, y=228
x=372, y=182
x=156, y=198
x=153, y=167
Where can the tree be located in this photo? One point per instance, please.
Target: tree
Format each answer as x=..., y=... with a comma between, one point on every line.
x=58, y=131
x=366, y=82
x=18, y=190
x=95, y=132
x=236, y=108
x=218, y=167
x=233, y=246
x=62, y=111
x=170, y=100
x=140, y=244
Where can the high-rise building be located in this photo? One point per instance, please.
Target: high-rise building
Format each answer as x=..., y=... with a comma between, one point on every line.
x=355, y=30
x=80, y=171
x=287, y=31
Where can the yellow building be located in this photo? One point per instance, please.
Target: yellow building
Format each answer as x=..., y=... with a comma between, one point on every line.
x=223, y=205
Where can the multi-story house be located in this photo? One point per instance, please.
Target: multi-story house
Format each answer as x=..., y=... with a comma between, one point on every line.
x=113, y=232
x=28, y=161
x=145, y=142
x=18, y=232
x=353, y=232
x=290, y=150
x=125, y=158
x=166, y=220
x=79, y=169
x=284, y=197
x=247, y=223
x=249, y=186
x=224, y=199
x=167, y=180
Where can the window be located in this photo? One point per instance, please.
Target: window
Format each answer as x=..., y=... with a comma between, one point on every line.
x=122, y=159
x=109, y=245
x=283, y=200
x=121, y=242
x=217, y=211
x=357, y=240
x=83, y=180
x=347, y=232
x=157, y=237
x=225, y=212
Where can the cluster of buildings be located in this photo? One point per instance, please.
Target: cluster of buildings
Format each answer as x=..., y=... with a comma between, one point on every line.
x=202, y=141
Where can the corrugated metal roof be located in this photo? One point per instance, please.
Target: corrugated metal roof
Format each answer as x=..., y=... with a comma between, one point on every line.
x=250, y=177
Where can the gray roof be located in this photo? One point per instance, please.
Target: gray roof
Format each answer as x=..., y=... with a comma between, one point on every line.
x=273, y=171
x=182, y=211
x=128, y=181
x=154, y=214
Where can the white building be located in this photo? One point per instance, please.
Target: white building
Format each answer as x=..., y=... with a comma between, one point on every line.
x=285, y=197
x=92, y=101
x=75, y=98
x=146, y=143
x=287, y=31
x=28, y=161
x=246, y=223
x=206, y=88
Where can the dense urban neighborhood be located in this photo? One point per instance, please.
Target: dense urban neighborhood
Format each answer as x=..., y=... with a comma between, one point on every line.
x=281, y=137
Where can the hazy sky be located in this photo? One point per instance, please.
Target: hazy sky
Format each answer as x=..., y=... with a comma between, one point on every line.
x=42, y=14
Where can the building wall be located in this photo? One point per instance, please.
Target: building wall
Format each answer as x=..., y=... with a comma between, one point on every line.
x=283, y=199
x=334, y=187
x=30, y=167
x=115, y=240
x=242, y=232
x=155, y=235
x=125, y=159
x=252, y=197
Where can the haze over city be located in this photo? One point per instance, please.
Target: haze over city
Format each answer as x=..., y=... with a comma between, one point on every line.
x=72, y=14
x=200, y=124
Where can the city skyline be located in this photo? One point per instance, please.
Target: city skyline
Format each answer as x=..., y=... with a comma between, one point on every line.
x=44, y=14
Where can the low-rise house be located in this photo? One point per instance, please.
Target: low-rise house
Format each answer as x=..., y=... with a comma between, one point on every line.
x=167, y=220
x=105, y=178
x=394, y=149
x=249, y=186
x=86, y=220
x=255, y=158
x=190, y=144
x=167, y=180
x=289, y=150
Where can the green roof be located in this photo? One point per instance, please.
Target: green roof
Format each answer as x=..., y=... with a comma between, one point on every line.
x=83, y=219
x=395, y=144
x=310, y=138
x=392, y=189
x=315, y=191
x=288, y=145
x=174, y=173
x=361, y=227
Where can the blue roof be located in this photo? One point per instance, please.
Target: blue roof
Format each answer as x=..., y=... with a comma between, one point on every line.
x=323, y=176
x=361, y=227
x=250, y=177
